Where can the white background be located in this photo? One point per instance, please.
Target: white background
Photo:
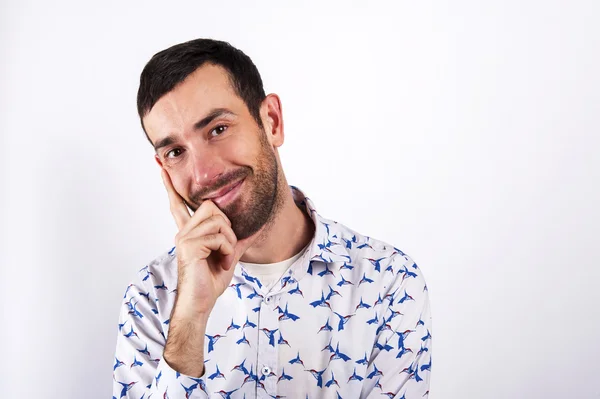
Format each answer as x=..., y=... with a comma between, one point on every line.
x=463, y=132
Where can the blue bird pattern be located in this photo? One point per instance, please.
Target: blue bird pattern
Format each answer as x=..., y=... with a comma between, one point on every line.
x=354, y=312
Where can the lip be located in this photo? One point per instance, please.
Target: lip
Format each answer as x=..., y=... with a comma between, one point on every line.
x=226, y=194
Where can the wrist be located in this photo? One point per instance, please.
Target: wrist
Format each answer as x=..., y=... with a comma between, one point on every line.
x=192, y=318
x=185, y=366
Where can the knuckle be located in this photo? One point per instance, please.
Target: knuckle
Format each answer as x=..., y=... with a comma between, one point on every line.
x=178, y=237
x=205, y=205
x=225, y=219
x=221, y=220
x=183, y=240
x=209, y=238
x=213, y=220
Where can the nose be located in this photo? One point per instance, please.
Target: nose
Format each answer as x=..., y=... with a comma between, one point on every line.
x=206, y=168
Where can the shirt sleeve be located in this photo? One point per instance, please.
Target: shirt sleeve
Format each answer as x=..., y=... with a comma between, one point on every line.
x=400, y=363
x=140, y=370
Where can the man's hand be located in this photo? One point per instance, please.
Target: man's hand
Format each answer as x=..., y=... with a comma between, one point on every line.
x=207, y=252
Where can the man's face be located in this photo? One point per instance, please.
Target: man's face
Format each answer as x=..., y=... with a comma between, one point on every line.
x=206, y=139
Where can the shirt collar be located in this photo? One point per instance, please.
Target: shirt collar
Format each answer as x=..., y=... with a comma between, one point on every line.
x=328, y=246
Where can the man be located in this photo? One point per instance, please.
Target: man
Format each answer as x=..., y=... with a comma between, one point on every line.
x=261, y=296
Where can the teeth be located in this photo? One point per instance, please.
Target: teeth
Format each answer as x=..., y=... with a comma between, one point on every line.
x=232, y=187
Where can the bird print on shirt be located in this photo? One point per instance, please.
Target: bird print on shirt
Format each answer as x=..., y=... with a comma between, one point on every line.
x=350, y=317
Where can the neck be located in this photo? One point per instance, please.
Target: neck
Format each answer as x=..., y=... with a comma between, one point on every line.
x=284, y=235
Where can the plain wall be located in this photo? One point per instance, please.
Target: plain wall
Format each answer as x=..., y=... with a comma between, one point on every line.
x=463, y=132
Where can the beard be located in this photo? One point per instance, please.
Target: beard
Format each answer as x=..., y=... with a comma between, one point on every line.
x=255, y=207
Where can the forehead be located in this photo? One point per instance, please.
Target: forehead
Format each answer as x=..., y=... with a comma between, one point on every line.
x=207, y=88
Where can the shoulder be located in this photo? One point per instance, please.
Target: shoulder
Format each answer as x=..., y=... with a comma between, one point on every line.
x=373, y=258
x=161, y=269
x=361, y=247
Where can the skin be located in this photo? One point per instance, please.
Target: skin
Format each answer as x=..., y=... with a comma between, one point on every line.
x=262, y=225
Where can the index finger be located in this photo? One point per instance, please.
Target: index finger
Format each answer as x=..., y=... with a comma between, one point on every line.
x=178, y=207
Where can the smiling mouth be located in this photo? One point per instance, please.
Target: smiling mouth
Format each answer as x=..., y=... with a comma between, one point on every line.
x=224, y=190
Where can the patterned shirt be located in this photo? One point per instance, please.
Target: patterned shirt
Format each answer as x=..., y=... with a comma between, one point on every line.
x=349, y=319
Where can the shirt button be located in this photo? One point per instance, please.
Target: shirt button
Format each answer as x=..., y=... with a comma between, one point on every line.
x=266, y=370
x=268, y=299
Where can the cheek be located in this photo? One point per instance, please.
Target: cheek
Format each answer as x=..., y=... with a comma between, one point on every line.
x=179, y=183
x=245, y=149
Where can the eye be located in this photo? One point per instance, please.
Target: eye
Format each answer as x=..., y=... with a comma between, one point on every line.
x=174, y=153
x=218, y=130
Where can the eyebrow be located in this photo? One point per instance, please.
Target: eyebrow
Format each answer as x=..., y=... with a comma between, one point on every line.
x=201, y=124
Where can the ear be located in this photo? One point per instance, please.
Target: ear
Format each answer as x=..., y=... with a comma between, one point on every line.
x=272, y=118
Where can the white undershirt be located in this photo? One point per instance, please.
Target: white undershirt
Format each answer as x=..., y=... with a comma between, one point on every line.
x=270, y=273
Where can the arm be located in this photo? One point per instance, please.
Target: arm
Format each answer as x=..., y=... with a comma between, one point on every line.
x=207, y=251
x=405, y=369
x=139, y=368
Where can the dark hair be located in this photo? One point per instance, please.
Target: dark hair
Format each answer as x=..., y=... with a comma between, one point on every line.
x=169, y=67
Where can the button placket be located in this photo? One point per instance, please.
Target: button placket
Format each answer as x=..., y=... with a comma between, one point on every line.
x=268, y=347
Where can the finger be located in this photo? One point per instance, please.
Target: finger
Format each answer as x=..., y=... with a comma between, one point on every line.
x=178, y=208
x=203, y=247
x=205, y=211
x=219, y=243
x=213, y=225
